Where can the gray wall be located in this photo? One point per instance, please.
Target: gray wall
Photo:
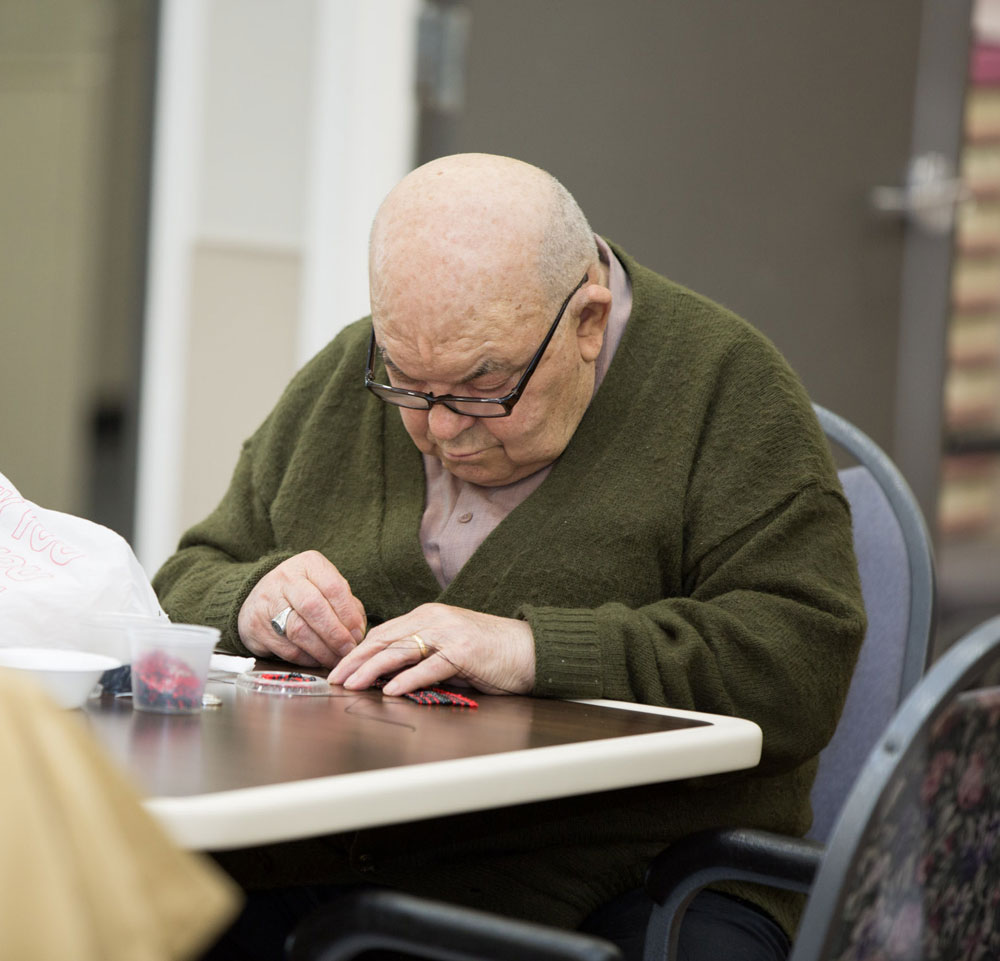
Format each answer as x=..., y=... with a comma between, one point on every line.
x=730, y=146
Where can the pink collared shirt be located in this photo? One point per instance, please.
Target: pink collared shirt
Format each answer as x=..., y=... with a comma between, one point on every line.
x=458, y=516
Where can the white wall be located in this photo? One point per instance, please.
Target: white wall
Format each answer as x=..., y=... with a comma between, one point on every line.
x=364, y=126
x=280, y=126
x=256, y=133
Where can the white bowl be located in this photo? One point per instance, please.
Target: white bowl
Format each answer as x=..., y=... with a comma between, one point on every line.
x=67, y=676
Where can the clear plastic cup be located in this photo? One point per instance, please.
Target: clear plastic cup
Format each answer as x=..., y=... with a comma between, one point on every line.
x=170, y=666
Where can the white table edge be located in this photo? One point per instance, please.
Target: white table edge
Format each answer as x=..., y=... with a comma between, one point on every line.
x=344, y=802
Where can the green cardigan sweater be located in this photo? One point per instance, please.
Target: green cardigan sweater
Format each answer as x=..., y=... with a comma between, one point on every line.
x=691, y=548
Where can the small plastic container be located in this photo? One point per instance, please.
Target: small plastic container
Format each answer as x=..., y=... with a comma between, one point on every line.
x=170, y=666
x=287, y=683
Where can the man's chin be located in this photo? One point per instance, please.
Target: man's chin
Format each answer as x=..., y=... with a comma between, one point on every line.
x=485, y=475
x=473, y=473
x=476, y=470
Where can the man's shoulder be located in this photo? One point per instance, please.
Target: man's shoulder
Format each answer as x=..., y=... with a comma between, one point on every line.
x=711, y=362
x=680, y=328
x=658, y=296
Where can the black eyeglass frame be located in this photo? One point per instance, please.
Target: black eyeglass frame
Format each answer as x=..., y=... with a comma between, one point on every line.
x=388, y=393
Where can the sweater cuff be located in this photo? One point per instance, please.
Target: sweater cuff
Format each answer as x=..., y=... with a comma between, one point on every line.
x=567, y=652
x=230, y=590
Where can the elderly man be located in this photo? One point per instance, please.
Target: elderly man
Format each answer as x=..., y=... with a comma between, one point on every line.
x=567, y=477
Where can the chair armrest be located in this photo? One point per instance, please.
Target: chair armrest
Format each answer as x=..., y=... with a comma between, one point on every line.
x=679, y=872
x=383, y=919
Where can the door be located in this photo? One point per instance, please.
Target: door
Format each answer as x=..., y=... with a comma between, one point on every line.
x=737, y=148
x=734, y=147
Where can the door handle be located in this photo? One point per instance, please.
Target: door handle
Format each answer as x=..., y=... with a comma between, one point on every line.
x=930, y=197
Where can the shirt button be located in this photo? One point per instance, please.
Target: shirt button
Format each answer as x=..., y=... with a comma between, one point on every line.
x=464, y=518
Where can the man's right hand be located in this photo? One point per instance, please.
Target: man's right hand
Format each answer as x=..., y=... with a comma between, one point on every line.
x=326, y=620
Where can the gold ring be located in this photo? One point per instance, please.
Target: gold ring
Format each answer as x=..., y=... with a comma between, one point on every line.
x=425, y=651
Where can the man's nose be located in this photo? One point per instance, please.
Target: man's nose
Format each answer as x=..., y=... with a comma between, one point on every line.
x=445, y=424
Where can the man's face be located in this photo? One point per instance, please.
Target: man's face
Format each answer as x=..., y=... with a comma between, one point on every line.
x=454, y=346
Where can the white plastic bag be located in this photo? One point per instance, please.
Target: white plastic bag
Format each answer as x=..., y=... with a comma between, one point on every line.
x=59, y=576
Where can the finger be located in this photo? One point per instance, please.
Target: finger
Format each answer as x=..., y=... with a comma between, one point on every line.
x=388, y=661
x=302, y=645
x=368, y=648
x=264, y=642
x=347, y=610
x=268, y=645
x=431, y=670
x=362, y=616
x=317, y=622
x=295, y=655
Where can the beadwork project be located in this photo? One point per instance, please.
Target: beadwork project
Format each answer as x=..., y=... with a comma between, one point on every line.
x=162, y=682
x=434, y=696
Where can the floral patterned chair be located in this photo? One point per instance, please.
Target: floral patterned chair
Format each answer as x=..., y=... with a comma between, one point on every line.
x=912, y=871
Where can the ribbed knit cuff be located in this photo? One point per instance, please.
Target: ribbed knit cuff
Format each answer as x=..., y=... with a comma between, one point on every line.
x=567, y=652
x=230, y=590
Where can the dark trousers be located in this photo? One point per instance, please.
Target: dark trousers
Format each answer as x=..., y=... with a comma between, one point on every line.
x=715, y=926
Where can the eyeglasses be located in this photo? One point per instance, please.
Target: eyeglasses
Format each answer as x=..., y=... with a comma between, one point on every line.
x=468, y=406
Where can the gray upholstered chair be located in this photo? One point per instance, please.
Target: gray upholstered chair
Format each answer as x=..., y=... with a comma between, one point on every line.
x=911, y=871
x=895, y=561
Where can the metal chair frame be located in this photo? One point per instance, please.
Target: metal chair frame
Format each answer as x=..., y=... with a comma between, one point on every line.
x=382, y=920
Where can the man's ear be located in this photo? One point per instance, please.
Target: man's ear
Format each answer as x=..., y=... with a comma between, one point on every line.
x=593, y=322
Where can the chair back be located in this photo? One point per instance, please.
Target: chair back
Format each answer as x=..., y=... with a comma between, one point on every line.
x=895, y=562
x=911, y=870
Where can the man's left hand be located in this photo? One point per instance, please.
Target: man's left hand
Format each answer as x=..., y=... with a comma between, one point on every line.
x=437, y=642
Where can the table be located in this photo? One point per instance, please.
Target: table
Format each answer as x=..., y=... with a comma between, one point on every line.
x=262, y=768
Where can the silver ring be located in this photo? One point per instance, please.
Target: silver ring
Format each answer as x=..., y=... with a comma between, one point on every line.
x=279, y=620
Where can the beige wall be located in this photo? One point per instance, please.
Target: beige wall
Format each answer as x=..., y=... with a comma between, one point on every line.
x=261, y=258
x=54, y=90
x=75, y=78
x=269, y=164
x=244, y=317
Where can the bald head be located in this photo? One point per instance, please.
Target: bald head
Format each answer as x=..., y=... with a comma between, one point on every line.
x=476, y=218
x=477, y=283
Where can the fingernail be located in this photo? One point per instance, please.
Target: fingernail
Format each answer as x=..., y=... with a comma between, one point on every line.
x=345, y=649
x=392, y=688
x=358, y=635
